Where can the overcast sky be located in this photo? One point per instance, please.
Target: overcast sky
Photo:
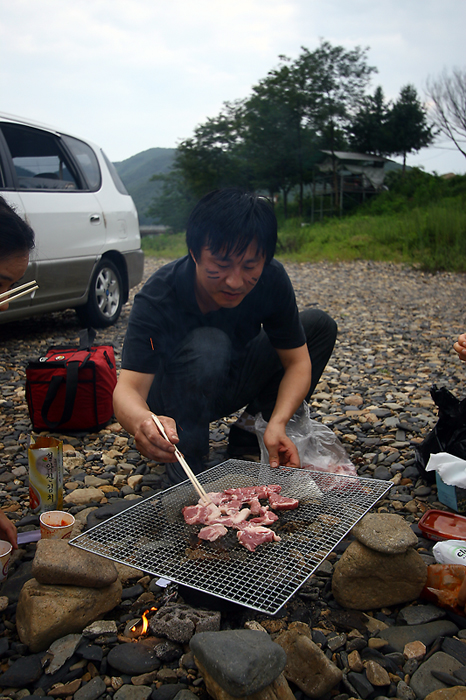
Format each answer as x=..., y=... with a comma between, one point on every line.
x=135, y=74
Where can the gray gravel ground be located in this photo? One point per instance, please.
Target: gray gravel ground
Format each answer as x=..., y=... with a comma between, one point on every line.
x=396, y=331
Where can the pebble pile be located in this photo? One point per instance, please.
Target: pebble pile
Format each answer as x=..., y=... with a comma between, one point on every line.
x=396, y=330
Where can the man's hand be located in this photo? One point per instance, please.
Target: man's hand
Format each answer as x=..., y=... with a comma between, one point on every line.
x=460, y=347
x=150, y=442
x=8, y=530
x=282, y=451
x=132, y=411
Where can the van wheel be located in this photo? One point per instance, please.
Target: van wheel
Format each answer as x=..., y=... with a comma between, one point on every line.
x=105, y=300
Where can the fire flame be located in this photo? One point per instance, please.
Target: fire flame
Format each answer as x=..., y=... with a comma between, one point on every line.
x=144, y=622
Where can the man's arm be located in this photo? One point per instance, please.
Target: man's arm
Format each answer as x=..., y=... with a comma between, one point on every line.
x=291, y=393
x=133, y=413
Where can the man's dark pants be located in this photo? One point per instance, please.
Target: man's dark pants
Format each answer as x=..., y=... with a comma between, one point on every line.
x=206, y=380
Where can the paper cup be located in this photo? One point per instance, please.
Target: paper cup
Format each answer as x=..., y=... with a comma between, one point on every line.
x=5, y=551
x=56, y=525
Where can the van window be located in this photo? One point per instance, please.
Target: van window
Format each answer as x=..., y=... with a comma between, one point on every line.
x=87, y=161
x=39, y=161
x=115, y=177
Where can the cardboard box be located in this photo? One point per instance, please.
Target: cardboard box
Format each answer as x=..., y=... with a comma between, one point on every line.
x=451, y=496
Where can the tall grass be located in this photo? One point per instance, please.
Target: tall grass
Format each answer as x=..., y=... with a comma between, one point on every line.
x=420, y=220
x=432, y=238
x=165, y=245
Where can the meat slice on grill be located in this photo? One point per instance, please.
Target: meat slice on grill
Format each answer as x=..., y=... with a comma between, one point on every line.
x=251, y=536
x=273, y=488
x=267, y=518
x=244, y=494
x=240, y=517
x=278, y=502
x=255, y=506
x=193, y=515
x=200, y=515
x=212, y=532
x=231, y=507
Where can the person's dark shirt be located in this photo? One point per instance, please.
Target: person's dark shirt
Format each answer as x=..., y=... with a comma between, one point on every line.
x=166, y=310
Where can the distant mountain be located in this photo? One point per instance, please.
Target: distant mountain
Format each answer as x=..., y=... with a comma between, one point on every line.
x=136, y=172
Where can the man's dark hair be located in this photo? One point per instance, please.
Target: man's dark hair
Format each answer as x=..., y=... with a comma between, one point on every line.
x=227, y=221
x=16, y=236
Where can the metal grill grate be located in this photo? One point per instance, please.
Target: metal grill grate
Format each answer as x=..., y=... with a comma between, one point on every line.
x=152, y=534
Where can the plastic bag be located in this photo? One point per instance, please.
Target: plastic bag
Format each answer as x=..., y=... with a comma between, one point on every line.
x=318, y=447
x=446, y=586
x=449, y=435
x=450, y=552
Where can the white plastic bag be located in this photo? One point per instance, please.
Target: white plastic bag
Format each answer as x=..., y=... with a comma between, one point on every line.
x=318, y=447
x=450, y=552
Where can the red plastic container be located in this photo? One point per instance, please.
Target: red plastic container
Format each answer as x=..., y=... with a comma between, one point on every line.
x=441, y=525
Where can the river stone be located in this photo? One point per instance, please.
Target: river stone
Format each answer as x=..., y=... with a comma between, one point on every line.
x=168, y=691
x=385, y=532
x=376, y=674
x=456, y=693
x=179, y=622
x=404, y=692
x=91, y=690
x=61, y=650
x=46, y=613
x=57, y=562
x=183, y=695
x=242, y=661
x=82, y=497
x=101, y=628
x=277, y=690
x=133, y=659
x=420, y=614
x=22, y=672
x=423, y=682
x=366, y=580
x=456, y=648
x=14, y=583
x=67, y=690
x=307, y=666
x=398, y=637
x=133, y=692
x=361, y=685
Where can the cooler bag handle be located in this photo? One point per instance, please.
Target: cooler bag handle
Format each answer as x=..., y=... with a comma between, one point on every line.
x=71, y=381
x=86, y=338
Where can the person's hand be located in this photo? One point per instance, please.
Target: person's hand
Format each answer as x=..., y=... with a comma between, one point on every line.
x=8, y=530
x=282, y=451
x=150, y=442
x=460, y=347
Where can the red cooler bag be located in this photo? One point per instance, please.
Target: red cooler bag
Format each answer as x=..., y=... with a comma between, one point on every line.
x=71, y=388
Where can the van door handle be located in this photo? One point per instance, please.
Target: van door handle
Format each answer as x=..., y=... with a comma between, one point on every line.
x=94, y=219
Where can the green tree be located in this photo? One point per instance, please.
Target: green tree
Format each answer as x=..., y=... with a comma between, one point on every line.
x=407, y=125
x=333, y=81
x=270, y=140
x=175, y=201
x=368, y=132
x=212, y=157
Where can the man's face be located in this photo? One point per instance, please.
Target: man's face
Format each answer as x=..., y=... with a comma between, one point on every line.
x=223, y=282
x=12, y=269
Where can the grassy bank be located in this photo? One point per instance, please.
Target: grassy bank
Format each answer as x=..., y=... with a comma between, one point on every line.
x=421, y=221
x=433, y=238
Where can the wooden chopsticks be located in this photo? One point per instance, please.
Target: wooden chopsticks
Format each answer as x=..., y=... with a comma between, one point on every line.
x=26, y=288
x=187, y=469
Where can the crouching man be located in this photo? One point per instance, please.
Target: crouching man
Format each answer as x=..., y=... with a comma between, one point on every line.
x=218, y=330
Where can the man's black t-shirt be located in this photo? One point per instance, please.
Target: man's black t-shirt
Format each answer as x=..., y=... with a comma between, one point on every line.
x=165, y=311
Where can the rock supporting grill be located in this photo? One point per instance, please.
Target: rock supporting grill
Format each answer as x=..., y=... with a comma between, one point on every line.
x=152, y=534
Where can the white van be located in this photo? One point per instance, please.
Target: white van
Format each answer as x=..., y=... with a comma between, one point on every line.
x=88, y=247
